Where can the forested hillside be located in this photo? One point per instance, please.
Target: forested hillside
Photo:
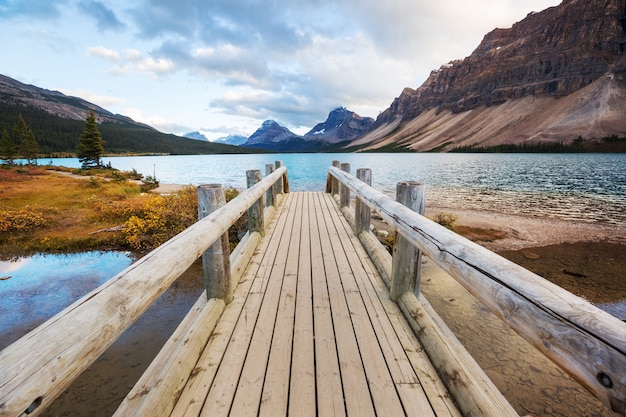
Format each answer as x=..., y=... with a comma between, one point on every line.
x=59, y=136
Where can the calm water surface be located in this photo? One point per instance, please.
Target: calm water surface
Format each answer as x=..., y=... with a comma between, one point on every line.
x=585, y=187
x=34, y=289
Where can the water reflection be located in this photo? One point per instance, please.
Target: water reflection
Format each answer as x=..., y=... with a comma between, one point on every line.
x=34, y=289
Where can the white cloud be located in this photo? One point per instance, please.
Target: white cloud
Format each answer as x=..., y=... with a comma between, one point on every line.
x=105, y=53
x=100, y=100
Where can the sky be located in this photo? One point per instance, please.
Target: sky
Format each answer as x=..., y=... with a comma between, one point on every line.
x=222, y=67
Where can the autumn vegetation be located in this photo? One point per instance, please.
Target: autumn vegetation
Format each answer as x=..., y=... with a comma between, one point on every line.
x=52, y=210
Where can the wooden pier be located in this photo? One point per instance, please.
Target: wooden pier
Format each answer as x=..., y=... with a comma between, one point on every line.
x=311, y=317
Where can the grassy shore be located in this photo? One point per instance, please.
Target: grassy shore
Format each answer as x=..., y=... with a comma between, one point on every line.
x=64, y=211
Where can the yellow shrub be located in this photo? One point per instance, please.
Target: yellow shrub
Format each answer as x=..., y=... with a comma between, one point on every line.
x=161, y=218
x=24, y=220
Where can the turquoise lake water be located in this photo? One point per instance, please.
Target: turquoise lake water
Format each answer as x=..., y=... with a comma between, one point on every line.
x=584, y=187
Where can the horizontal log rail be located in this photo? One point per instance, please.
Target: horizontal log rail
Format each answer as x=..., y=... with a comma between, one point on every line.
x=586, y=342
x=41, y=365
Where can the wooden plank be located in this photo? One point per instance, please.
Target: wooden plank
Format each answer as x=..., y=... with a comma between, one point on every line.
x=157, y=391
x=329, y=388
x=42, y=364
x=302, y=385
x=584, y=341
x=247, y=395
x=381, y=384
x=230, y=332
x=419, y=387
x=275, y=395
x=355, y=383
x=473, y=390
x=436, y=392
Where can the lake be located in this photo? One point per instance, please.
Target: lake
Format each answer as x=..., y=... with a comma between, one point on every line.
x=583, y=187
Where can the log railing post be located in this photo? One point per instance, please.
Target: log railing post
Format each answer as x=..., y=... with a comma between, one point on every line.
x=216, y=259
x=344, y=191
x=256, y=219
x=361, y=211
x=406, y=263
x=270, y=198
x=279, y=184
x=334, y=182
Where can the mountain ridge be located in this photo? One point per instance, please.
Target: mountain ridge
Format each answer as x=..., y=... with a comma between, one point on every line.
x=58, y=120
x=552, y=54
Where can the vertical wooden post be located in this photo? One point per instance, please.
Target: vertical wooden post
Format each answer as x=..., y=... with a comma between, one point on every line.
x=256, y=219
x=271, y=192
x=344, y=191
x=216, y=259
x=407, y=259
x=362, y=211
x=334, y=183
x=279, y=184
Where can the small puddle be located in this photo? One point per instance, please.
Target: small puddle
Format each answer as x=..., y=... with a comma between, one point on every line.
x=35, y=288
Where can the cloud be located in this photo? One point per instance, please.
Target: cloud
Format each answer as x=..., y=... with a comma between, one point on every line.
x=105, y=53
x=106, y=18
x=158, y=122
x=100, y=100
x=38, y=9
x=294, y=60
x=131, y=60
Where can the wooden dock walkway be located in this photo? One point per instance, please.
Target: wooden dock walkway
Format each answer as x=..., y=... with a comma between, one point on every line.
x=311, y=316
x=311, y=331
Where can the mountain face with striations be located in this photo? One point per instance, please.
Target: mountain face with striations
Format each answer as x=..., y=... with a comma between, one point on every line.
x=555, y=75
x=341, y=125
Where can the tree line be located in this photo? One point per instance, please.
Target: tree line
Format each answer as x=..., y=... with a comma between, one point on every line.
x=59, y=137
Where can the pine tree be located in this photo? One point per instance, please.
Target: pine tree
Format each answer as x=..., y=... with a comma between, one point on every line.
x=90, y=144
x=7, y=148
x=25, y=139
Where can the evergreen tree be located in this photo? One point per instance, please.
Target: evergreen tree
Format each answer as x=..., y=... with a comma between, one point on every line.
x=7, y=148
x=90, y=144
x=25, y=139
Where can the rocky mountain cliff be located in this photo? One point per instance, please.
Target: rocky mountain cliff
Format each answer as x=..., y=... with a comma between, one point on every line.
x=340, y=126
x=561, y=69
x=272, y=136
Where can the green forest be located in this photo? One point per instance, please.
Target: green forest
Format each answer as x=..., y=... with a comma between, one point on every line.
x=58, y=137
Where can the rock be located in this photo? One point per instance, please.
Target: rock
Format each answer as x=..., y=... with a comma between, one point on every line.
x=555, y=52
x=382, y=234
x=551, y=54
x=341, y=125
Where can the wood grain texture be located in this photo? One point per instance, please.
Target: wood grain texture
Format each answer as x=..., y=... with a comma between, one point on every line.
x=583, y=340
x=41, y=365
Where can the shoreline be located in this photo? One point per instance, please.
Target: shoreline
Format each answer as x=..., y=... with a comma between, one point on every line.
x=526, y=232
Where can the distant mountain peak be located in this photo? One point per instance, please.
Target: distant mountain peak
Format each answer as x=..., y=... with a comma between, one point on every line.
x=269, y=134
x=195, y=135
x=341, y=125
x=235, y=140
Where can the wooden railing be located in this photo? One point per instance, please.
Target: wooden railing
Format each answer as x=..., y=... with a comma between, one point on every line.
x=38, y=367
x=586, y=342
